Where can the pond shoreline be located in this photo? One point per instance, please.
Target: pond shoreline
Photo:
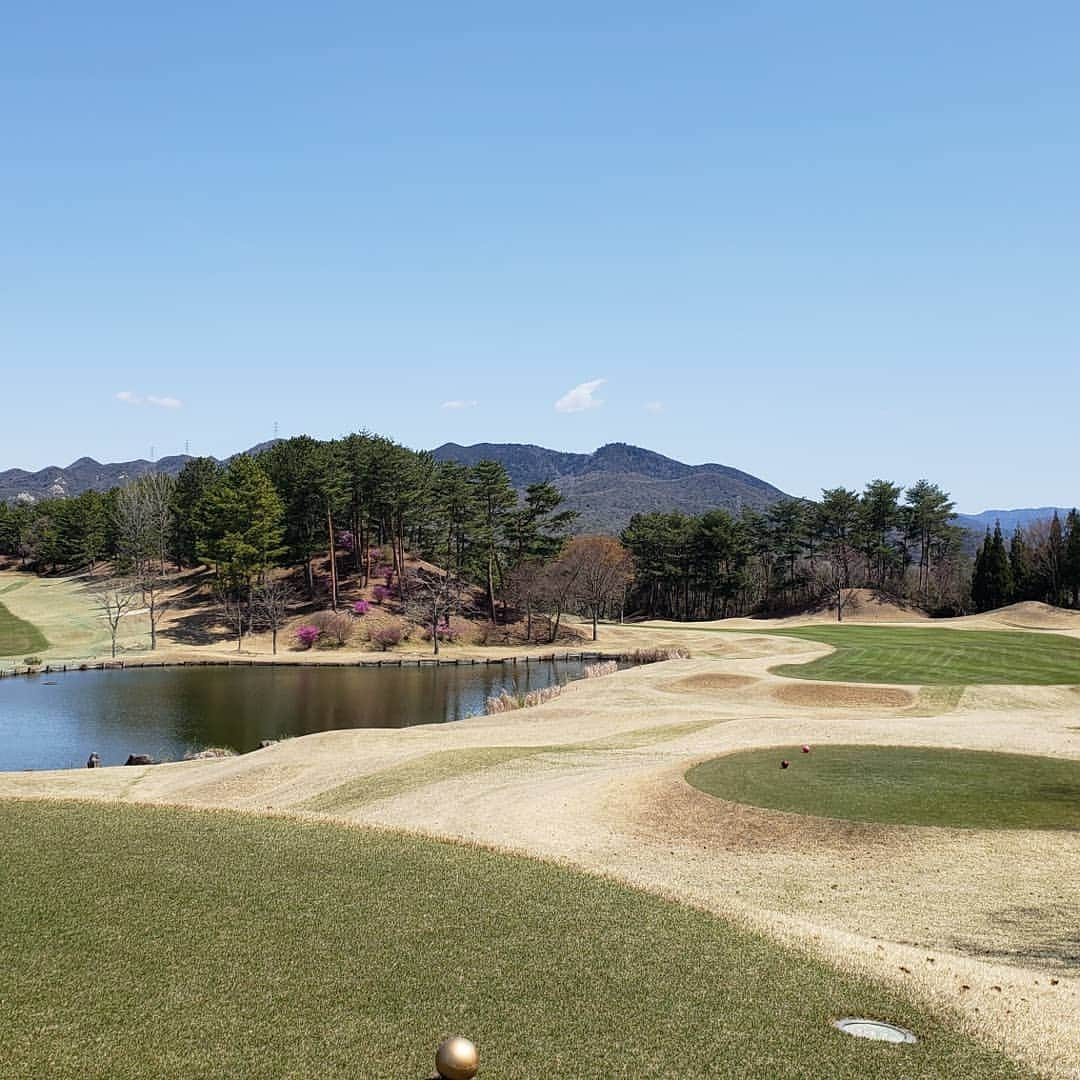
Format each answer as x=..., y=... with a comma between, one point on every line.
x=396, y=662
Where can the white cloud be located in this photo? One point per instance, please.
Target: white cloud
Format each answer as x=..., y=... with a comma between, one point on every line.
x=655, y=407
x=460, y=404
x=580, y=398
x=129, y=397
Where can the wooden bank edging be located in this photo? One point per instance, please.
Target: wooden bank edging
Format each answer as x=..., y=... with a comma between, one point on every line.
x=399, y=662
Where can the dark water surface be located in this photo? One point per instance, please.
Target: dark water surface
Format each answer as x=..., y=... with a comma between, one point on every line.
x=55, y=721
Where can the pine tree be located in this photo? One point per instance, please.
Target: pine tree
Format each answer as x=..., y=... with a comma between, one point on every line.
x=1070, y=575
x=998, y=571
x=493, y=498
x=1021, y=565
x=980, y=579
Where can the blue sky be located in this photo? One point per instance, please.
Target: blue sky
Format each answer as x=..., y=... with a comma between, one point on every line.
x=820, y=242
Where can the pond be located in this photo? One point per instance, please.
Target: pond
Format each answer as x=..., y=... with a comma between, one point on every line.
x=56, y=721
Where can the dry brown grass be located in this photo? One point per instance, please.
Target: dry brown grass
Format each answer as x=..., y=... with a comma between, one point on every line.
x=840, y=696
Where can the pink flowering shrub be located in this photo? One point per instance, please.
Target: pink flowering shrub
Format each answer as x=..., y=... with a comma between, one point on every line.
x=380, y=592
x=306, y=636
x=361, y=607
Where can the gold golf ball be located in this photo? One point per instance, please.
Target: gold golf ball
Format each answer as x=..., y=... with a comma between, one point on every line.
x=457, y=1059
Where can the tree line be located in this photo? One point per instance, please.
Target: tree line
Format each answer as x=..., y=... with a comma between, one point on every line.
x=363, y=503
x=373, y=505
x=901, y=541
x=1040, y=562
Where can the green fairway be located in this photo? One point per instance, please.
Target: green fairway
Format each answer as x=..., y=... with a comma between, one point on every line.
x=904, y=654
x=18, y=637
x=902, y=785
x=145, y=942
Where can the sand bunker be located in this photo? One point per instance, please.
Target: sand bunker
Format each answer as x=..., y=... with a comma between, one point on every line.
x=711, y=682
x=836, y=695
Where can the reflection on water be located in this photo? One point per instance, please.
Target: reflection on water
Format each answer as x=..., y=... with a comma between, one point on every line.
x=56, y=722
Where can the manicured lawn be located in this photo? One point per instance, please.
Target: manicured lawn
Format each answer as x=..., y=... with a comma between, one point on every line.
x=902, y=654
x=18, y=637
x=148, y=942
x=902, y=785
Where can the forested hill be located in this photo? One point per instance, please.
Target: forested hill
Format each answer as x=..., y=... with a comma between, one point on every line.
x=617, y=481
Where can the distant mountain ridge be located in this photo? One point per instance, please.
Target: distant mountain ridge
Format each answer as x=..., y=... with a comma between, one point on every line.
x=618, y=480
x=86, y=474
x=1009, y=519
x=606, y=487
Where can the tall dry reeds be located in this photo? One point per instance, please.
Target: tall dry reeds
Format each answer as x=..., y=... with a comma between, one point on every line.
x=598, y=671
x=657, y=655
x=507, y=702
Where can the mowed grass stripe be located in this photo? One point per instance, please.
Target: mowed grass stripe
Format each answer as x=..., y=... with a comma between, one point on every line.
x=902, y=785
x=913, y=655
x=19, y=637
x=150, y=942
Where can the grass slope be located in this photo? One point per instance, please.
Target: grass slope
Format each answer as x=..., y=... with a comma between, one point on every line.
x=444, y=765
x=19, y=637
x=149, y=942
x=902, y=785
x=917, y=655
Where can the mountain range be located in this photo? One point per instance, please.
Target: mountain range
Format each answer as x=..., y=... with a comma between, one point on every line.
x=609, y=486
x=1009, y=519
x=87, y=474
x=606, y=487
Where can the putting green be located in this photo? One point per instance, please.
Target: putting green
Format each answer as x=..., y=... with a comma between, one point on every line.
x=902, y=785
x=153, y=942
x=937, y=656
x=19, y=637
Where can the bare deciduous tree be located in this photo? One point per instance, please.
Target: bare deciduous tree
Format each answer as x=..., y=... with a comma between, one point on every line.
x=114, y=598
x=432, y=596
x=152, y=586
x=233, y=604
x=525, y=589
x=270, y=599
x=603, y=570
x=558, y=581
x=144, y=520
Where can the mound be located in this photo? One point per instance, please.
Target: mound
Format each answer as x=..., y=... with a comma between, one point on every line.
x=710, y=682
x=860, y=605
x=832, y=696
x=1034, y=614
